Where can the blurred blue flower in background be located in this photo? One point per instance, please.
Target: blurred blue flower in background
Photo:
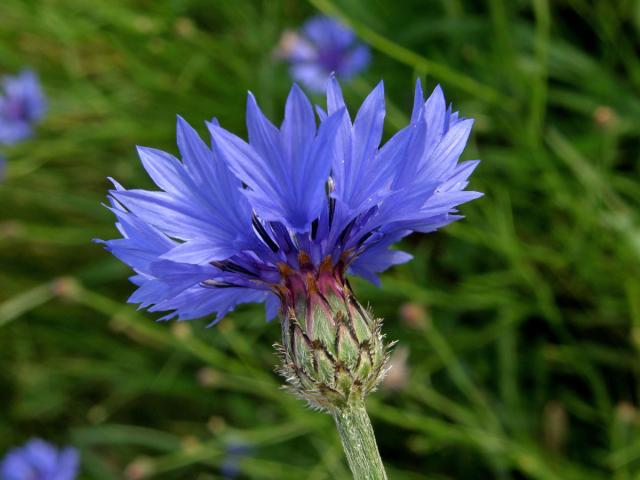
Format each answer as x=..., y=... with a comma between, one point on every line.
x=39, y=460
x=321, y=47
x=233, y=220
x=230, y=467
x=22, y=104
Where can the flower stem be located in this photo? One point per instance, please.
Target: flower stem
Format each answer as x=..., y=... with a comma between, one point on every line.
x=359, y=443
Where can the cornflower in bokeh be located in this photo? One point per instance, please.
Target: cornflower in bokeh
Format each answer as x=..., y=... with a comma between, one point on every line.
x=40, y=460
x=322, y=46
x=235, y=452
x=22, y=104
x=284, y=217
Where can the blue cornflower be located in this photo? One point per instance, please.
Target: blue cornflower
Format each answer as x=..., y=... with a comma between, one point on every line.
x=39, y=460
x=323, y=46
x=22, y=104
x=239, y=221
x=236, y=451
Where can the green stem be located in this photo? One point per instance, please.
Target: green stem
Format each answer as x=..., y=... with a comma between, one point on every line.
x=359, y=443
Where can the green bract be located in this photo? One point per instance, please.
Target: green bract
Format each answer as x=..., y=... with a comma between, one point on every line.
x=333, y=353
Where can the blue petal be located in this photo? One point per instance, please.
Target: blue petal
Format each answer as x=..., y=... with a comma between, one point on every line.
x=180, y=276
x=447, y=152
x=175, y=218
x=379, y=257
x=430, y=224
x=407, y=151
x=14, y=132
x=435, y=110
x=322, y=115
x=264, y=137
x=199, y=252
x=166, y=171
x=418, y=102
x=205, y=186
x=68, y=463
x=142, y=243
x=150, y=291
x=328, y=32
x=403, y=205
x=272, y=307
x=311, y=75
x=335, y=100
x=445, y=202
x=355, y=61
x=218, y=188
x=201, y=301
x=459, y=176
x=266, y=192
x=291, y=194
x=344, y=140
x=196, y=156
x=298, y=128
x=311, y=184
x=354, y=170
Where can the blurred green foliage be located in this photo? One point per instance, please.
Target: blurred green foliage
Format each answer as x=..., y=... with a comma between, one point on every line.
x=521, y=323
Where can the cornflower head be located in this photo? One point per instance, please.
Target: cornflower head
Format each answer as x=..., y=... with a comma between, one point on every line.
x=283, y=218
x=39, y=460
x=322, y=46
x=22, y=104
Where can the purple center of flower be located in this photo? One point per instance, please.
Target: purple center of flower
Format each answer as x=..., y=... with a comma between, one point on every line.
x=314, y=287
x=289, y=257
x=15, y=110
x=331, y=58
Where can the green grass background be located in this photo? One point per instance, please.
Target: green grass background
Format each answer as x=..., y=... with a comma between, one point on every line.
x=523, y=348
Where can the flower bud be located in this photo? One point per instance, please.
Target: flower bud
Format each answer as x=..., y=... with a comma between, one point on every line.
x=332, y=350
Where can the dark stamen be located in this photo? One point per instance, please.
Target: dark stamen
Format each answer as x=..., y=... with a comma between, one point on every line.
x=346, y=230
x=366, y=237
x=332, y=210
x=263, y=234
x=228, y=266
x=282, y=234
